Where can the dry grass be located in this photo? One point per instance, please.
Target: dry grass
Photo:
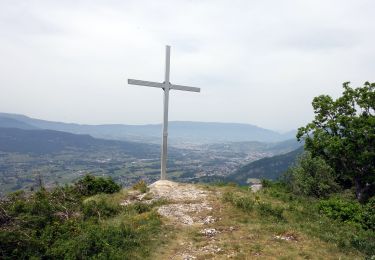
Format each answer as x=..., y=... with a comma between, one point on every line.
x=242, y=234
x=247, y=235
x=115, y=198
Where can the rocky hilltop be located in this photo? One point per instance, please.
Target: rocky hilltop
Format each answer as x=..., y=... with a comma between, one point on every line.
x=221, y=222
x=95, y=219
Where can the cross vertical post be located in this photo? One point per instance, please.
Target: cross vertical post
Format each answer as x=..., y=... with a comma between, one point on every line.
x=166, y=86
x=164, y=149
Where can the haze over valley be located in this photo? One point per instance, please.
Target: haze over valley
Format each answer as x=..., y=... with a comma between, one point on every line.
x=60, y=153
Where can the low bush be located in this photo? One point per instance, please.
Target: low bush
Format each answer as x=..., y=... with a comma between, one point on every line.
x=140, y=207
x=100, y=209
x=364, y=241
x=92, y=241
x=350, y=212
x=249, y=203
x=266, y=183
x=244, y=203
x=311, y=176
x=91, y=185
x=63, y=223
x=268, y=210
x=346, y=211
x=241, y=202
x=369, y=215
x=228, y=196
x=141, y=186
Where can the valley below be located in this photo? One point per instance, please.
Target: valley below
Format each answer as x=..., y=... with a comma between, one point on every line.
x=185, y=164
x=35, y=152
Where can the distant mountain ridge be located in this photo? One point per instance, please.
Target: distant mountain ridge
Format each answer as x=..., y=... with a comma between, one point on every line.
x=179, y=131
x=6, y=122
x=40, y=141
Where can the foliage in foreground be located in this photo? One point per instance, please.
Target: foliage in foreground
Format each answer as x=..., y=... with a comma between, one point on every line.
x=141, y=186
x=350, y=212
x=343, y=134
x=344, y=222
x=63, y=223
x=91, y=185
x=311, y=176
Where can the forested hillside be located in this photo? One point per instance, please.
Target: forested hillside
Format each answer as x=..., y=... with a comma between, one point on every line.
x=49, y=141
x=270, y=168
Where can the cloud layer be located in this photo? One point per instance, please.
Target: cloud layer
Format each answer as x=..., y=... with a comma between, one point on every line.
x=258, y=62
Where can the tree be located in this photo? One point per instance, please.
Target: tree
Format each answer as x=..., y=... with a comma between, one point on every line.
x=343, y=134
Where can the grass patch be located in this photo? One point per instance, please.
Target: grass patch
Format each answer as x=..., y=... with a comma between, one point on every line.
x=249, y=202
x=267, y=210
x=279, y=212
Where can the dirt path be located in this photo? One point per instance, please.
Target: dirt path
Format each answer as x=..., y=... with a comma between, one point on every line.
x=188, y=206
x=191, y=214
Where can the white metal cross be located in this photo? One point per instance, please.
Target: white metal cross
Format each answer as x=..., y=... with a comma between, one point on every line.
x=166, y=86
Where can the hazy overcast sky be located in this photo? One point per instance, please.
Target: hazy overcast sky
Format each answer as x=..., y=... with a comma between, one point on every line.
x=258, y=62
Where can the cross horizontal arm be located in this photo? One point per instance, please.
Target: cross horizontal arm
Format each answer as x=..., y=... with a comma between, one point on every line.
x=145, y=83
x=185, y=88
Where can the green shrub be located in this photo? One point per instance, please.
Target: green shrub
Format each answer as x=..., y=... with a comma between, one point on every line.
x=141, y=186
x=141, y=207
x=100, y=209
x=219, y=183
x=96, y=242
x=364, y=241
x=245, y=203
x=311, y=176
x=369, y=214
x=249, y=203
x=60, y=224
x=266, y=183
x=267, y=210
x=91, y=185
x=346, y=211
x=350, y=212
x=228, y=196
x=15, y=244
